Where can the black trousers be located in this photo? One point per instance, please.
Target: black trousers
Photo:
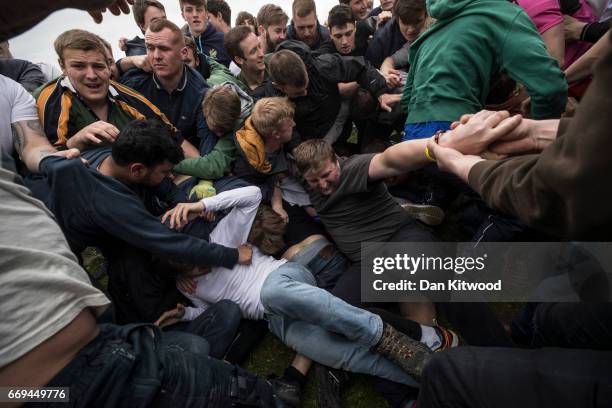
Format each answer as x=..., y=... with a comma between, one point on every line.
x=139, y=366
x=474, y=377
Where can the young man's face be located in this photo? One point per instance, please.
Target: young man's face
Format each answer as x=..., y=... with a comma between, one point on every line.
x=360, y=9
x=326, y=179
x=89, y=74
x=306, y=28
x=252, y=50
x=412, y=31
x=165, y=53
x=284, y=130
x=343, y=38
x=190, y=59
x=151, y=14
x=196, y=18
x=274, y=35
x=387, y=5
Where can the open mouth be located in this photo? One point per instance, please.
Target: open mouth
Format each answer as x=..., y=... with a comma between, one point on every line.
x=93, y=87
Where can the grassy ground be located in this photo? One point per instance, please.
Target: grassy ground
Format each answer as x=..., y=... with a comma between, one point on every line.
x=272, y=357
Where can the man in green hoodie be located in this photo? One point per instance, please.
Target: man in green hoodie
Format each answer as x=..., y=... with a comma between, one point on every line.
x=472, y=42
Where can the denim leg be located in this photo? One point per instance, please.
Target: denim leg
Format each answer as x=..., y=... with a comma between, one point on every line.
x=334, y=350
x=217, y=325
x=291, y=292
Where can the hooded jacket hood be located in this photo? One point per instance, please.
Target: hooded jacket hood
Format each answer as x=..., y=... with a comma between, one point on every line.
x=252, y=146
x=443, y=9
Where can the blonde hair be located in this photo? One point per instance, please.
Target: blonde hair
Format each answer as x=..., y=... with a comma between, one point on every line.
x=267, y=231
x=221, y=107
x=269, y=112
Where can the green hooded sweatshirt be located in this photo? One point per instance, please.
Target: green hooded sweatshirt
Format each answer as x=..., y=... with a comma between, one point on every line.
x=472, y=41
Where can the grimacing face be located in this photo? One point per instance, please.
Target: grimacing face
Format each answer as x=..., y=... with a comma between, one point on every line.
x=326, y=179
x=89, y=74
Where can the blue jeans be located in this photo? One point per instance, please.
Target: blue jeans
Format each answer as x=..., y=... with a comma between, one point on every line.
x=214, y=329
x=323, y=327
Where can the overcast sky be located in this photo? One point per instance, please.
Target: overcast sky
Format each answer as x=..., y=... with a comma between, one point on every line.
x=36, y=45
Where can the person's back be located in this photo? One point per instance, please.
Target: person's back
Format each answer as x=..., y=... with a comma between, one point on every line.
x=472, y=40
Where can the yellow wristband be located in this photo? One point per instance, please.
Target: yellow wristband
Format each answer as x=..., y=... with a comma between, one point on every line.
x=429, y=155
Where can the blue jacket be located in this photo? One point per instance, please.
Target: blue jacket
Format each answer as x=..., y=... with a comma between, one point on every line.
x=183, y=106
x=210, y=43
x=386, y=41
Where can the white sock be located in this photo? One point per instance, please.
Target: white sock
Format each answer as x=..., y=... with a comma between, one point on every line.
x=430, y=337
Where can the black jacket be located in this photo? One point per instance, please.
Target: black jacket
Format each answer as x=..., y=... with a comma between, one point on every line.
x=26, y=73
x=386, y=41
x=316, y=112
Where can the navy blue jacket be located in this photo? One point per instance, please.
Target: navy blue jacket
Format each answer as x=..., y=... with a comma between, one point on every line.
x=210, y=43
x=95, y=210
x=323, y=35
x=183, y=106
x=135, y=46
x=386, y=41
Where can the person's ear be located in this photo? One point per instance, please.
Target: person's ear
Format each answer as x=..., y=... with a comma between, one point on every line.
x=62, y=66
x=137, y=170
x=239, y=60
x=261, y=30
x=184, y=52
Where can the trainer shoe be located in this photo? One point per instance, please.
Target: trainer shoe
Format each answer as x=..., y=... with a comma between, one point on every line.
x=428, y=214
x=409, y=354
x=330, y=383
x=448, y=338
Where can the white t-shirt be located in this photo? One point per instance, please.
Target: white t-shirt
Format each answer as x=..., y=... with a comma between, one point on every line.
x=42, y=286
x=241, y=284
x=16, y=105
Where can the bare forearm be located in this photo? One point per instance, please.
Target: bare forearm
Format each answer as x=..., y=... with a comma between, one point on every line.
x=30, y=143
x=583, y=66
x=399, y=159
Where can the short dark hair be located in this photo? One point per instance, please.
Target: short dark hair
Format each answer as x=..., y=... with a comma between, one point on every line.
x=149, y=142
x=340, y=15
x=196, y=3
x=140, y=8
x=220, y=6
x=287, y=68
x=233, y=38
x=409, y=11
x=244, y=16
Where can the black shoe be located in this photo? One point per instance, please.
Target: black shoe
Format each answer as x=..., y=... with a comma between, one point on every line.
x=330, y=383
x=290, y=392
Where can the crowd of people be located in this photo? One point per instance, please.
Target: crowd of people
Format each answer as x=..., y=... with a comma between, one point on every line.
x=228, y=176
